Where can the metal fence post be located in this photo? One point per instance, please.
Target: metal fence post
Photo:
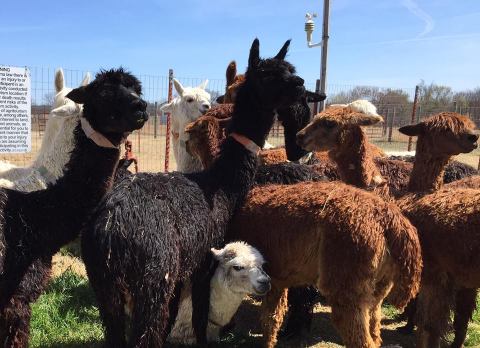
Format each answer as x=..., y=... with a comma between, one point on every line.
x=167, y=136
x=315, y=105
x=390, y=131
x=414, y=110
x=155, y=123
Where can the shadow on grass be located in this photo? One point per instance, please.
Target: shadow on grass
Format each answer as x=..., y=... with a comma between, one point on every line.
x=89, y=344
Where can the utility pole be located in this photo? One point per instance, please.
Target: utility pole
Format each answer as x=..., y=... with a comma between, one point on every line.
x=309, y=28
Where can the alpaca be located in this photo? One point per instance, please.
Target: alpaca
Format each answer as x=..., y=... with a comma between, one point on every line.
x=440, y=137
x=329, y=224
x=340, y=250
x=239, y=273
x=233, y=82
x=446, y=221
x=190, y=103
x=29, y=232
x=56, y=145
x=182, y=217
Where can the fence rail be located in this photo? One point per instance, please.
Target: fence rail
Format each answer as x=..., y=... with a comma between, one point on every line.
x=150, y=144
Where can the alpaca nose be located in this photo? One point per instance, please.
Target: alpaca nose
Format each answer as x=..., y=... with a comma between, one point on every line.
x=206, y=106
x=473, y=138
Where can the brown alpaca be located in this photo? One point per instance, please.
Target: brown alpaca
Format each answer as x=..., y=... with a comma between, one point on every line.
x=361, y=236
x=338, y=130
x=233, y=82
x=447, y=221
x=440, y=137
x=353, y=246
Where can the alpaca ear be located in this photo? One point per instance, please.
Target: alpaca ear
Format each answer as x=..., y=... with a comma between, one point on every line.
x=220, y=99
x=217, y=254
x=254, y=57
x=78, y=95
x=178, y=87
x=203, y=85
x=412, y=130
x=66, y=110
x=366, y=120
x=231, y=72
x=283, y=51
x=86, y=79
x=313, y=97
x=168, y=107
x=59, y=80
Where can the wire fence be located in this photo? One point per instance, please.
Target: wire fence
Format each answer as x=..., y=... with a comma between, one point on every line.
x=150, y=143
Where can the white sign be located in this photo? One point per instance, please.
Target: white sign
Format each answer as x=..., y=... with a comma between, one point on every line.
x=15, y=110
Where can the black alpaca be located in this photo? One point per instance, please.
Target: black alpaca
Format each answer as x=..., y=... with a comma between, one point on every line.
x=152, y=233
x=35, y=225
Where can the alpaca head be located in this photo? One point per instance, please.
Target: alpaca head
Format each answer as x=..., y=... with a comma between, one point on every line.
x=191, y=102
x=233, y=83
x=337, y=125
x=269, y=84
x=112, y=103
x=444, y=134
x=204, y=138
x=295, y=117
x=240, y=269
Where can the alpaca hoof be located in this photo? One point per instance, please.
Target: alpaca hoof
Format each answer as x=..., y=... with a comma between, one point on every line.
x=407, y=329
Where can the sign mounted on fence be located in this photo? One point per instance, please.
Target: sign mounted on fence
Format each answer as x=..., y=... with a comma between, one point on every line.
x=15, y=110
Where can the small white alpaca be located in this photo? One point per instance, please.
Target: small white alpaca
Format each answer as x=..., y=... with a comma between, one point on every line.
x=190, y=104
x=239, y=273
x=57, y=143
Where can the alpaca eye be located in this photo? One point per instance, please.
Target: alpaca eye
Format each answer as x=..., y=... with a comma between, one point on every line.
x=238, y=268
x=189, y=99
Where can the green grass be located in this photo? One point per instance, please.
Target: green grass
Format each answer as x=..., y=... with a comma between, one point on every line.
x=66, y=316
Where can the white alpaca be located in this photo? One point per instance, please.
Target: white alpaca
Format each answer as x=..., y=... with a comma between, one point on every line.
x=56, y=146
x=190, y=104
x=239, y=273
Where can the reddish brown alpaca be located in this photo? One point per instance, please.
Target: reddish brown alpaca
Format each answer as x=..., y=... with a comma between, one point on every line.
x=440, y=137
x=338, y=247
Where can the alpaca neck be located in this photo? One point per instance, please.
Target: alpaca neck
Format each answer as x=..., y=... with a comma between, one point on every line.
x=234, y=169
x=87, y=176
x=223, y=302
x=428, y=170
x=354, y=159
x=57, y=144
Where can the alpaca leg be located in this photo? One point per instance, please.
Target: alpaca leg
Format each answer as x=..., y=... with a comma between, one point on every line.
x=301, y=304
x=465, y=302
x=201, y=298
x=15, y=317
x=409, y=313
x=173, y=307
x=151, y=313
x=112, y=312
x=433, y=311
x=375, y=324
x=352, y=321
x=273, y=310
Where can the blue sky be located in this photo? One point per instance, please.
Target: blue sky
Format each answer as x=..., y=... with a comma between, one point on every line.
x=387, y=43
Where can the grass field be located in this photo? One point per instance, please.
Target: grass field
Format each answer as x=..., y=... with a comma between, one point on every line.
x=66, y=316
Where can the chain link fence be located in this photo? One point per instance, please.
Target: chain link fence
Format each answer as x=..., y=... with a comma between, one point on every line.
x=150, y=143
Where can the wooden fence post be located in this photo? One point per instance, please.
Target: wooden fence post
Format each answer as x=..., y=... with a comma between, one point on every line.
x=167, y=136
